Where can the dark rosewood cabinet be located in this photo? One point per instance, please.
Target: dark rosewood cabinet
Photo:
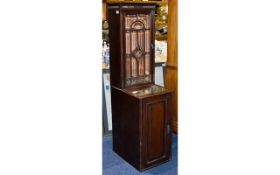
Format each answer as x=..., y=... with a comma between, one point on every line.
x=141, y=110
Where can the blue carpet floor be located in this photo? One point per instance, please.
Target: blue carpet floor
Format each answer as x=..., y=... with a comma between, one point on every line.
x=115, y=165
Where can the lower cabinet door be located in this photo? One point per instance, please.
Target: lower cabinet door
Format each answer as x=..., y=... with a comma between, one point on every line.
x=156, y=130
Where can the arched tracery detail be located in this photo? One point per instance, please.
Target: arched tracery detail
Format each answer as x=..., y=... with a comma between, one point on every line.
x=137, y=52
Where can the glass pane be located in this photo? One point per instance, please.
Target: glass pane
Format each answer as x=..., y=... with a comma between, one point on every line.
x=145, y=19
x=141, y=40
x=141, y=67
x=133, y=40
x=129, y=19
x=147, y=42
x=137, y=43
x=147, y=64
x=148, y=78
x=127, y=41
x=128, y=74
x=134, y=67
x=137, y=25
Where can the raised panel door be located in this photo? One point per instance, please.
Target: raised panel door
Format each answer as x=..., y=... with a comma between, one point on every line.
x=156, y=130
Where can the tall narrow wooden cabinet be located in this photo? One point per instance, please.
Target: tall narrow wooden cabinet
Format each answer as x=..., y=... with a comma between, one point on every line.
x=141, y=110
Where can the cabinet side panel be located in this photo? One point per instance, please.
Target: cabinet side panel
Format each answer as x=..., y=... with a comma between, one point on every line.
x=115, y=45
x=125, y=116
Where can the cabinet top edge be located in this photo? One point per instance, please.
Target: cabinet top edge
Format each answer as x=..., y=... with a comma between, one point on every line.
x=128, y=4
x=137, y=92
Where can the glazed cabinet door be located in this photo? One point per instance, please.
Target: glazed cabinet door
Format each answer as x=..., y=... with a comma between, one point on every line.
x=138, y=41
x=156, y=131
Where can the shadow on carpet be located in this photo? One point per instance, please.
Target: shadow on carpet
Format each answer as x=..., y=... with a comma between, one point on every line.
x=115, y=165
